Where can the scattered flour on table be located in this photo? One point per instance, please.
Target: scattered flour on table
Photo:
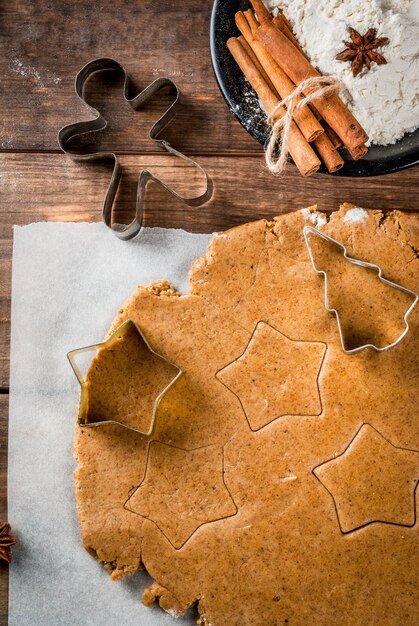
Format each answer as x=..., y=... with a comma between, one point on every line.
x=18, y=67
x=385, y=99
x=25, y=70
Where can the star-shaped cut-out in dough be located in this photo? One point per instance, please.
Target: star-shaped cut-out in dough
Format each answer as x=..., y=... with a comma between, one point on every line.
x=372, y=481
x=275, y=376
x=182, y=490
x=125, y=382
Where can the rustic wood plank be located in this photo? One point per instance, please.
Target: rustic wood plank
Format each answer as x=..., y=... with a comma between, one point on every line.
x=46, y=43
x=4, y=578
x=53, y=187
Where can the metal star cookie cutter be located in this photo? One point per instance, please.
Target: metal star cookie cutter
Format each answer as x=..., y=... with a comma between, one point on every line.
x=67, y=133
x=82, y=418
x=378, y=269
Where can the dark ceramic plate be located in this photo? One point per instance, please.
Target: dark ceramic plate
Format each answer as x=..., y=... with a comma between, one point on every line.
x=243, y=102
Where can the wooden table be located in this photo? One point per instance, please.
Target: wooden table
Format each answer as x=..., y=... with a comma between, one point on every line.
x=43, y=46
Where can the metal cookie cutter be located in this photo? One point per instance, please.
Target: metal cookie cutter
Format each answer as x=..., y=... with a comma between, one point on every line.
x=311, y=229
x=67, y=133
x=83, y=406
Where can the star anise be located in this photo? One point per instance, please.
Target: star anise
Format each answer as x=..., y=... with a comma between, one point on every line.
x=362, y=50
x=6, y=541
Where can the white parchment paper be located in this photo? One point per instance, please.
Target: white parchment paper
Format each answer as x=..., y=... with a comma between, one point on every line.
x=68, y=282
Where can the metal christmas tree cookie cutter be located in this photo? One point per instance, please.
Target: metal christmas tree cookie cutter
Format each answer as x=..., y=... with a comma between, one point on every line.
x=83, y=417
x=99, y=123
x=310, y=229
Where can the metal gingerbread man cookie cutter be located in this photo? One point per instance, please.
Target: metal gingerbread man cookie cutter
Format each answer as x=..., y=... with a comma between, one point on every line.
x=99, y=123
x=310, y=229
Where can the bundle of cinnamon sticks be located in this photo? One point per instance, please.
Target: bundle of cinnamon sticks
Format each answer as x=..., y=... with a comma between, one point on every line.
x=274, y=63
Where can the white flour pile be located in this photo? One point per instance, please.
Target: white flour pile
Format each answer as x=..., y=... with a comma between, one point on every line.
x=385, y=99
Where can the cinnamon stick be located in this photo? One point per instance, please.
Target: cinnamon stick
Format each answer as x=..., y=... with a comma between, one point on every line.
x=255, y=60
x=298, y=68
x=280, y=21
x=244, y=26
x=251, y=19
x=261, y=11
x=303, y=156
x=285, y=20
x=358, y=153
x=282, y=24
x=303, y=117
x=334, y=138
x=328, y=153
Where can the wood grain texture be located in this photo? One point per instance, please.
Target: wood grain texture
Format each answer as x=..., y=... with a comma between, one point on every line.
x=52, y=187
x=44, y=44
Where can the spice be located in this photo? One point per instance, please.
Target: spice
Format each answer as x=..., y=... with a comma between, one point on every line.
x=361, y=50
x=6, y=541
x=298, y=69
x=303, y=155
x=384, y=99
x=303, y=117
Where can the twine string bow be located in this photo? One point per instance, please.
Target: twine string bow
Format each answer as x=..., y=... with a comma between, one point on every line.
x=282, y=125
